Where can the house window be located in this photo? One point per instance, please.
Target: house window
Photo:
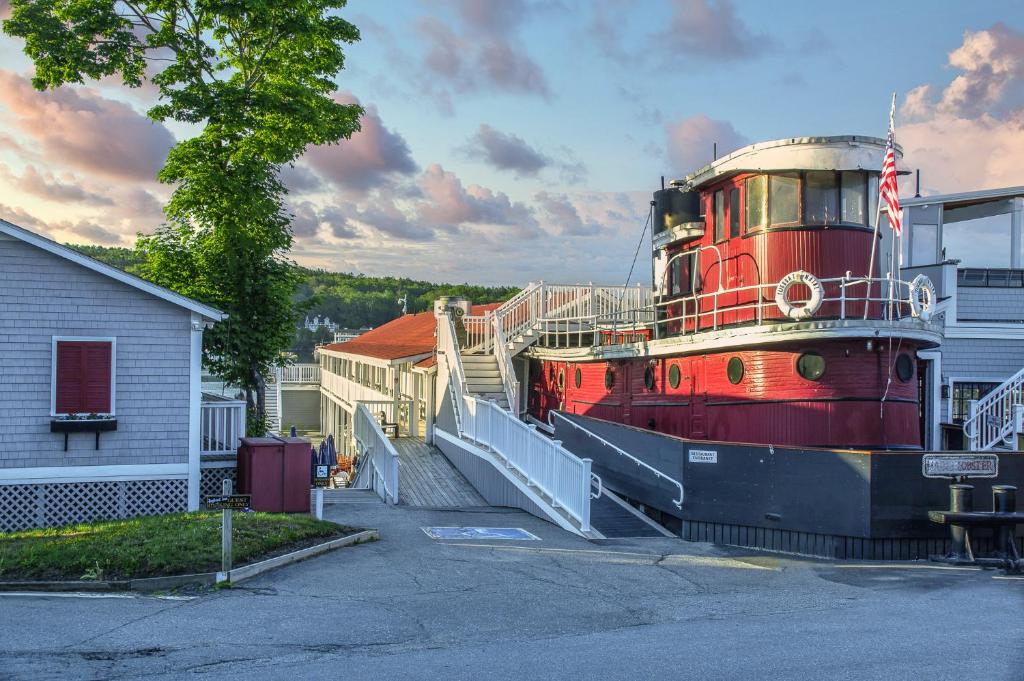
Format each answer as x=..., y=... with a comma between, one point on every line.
x=964, y=393
x=83, y=376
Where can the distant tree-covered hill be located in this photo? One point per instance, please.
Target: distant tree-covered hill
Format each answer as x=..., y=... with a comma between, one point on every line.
x=351, y=300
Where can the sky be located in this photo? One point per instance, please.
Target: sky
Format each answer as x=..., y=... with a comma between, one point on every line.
x=508, y=141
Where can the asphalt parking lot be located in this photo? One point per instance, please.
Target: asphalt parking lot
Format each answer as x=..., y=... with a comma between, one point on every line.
x=413, y=607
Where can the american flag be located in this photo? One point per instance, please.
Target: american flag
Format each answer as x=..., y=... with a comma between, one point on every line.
x=888, y=189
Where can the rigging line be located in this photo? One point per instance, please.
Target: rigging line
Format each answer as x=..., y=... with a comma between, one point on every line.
x=650, y=213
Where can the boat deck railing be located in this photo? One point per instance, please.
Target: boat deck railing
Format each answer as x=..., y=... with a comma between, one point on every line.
x=845, y=298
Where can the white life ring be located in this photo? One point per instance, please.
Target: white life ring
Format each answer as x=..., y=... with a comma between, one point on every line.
x=807, y=309
x=922, y=297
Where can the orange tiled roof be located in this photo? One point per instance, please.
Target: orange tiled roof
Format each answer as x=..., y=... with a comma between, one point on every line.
x=407, y=336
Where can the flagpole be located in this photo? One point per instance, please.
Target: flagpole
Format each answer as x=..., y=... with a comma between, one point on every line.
x=878, y=218
x=871, y=263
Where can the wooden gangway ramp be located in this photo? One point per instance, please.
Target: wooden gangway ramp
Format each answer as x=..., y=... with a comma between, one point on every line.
x=428, y=479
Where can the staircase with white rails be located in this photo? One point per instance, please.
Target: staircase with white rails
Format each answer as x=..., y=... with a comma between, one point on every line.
x=549, y=311
x=996, y=420
x=484, y=380
x=273, y=403
x=554, y=479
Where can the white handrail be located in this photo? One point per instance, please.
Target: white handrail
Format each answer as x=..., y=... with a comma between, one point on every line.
x=546, y=464
x=371, y=442
x=505, y=368
x=657, y=474
x=300, y=373
x=994, y=417
x=563, y=477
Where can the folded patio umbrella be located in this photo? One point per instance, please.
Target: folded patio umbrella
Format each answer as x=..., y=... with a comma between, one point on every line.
x=332, y=453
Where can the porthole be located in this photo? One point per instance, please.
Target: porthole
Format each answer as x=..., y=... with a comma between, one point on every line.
x=904, y=368
x=734, y=370
x=649, y=377
x=811, y=366
x=561, y=379
x=578, y=378
x=674, y=376
x=609, y=378
x=551, y=373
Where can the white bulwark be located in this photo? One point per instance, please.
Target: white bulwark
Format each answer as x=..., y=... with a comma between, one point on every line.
x=120, y=429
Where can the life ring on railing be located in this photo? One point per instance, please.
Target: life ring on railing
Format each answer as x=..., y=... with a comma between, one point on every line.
x=922, y=297
x=810, y=306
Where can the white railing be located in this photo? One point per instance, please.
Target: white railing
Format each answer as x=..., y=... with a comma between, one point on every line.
x=385, y=413
x=221, y=424
x=558, y=473
x=756, y=304
x=678, y=503
x=448, y=352
x=377, y=452
x=299, y=373
x=996, y=417
x=350, y=391
x=563, y=477
x=505, y=368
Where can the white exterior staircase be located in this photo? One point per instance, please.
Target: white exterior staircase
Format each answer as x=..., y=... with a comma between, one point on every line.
x=483, y=378
x=273, y=405
x=996, y=420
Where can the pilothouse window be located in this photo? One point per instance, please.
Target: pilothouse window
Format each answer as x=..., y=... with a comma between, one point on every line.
x=854, y=198
x=820, y=194
x=754, y=188
x=719, y=215
x=784, y=199
x=734, y=212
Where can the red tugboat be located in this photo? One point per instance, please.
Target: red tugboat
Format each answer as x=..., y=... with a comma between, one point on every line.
x=770, y=320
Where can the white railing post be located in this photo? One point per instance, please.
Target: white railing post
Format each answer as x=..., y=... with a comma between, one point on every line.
x=972, y=418
x=1018, y=425
x=585, y=500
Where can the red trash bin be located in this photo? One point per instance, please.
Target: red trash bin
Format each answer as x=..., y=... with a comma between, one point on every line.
x=297, y=474
x=276, y=472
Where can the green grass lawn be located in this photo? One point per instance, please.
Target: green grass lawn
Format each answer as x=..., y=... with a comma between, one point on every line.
x=181, y=543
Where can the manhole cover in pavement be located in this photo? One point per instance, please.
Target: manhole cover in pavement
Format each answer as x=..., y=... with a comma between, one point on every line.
x=479, y=533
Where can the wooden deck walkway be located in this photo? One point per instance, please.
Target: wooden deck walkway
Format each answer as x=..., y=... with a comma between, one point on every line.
x=427, y=478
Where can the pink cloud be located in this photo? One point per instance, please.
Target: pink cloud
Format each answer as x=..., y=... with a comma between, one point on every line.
x=79, y=127
x=709, y=29
x=562, y=214
x=372, y=157
x=449, y=203
x=48, y=186
x=969, y=135
x=691, y=140
x=484, y=55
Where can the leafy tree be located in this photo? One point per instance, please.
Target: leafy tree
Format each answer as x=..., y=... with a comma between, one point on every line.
x=255, y=77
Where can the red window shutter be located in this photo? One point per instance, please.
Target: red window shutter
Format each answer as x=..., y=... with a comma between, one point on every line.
x=83, y=377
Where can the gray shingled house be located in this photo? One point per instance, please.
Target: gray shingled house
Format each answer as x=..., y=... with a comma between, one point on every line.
x=101, y=411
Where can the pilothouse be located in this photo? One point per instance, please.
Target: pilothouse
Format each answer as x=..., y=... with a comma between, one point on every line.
x=775, y=315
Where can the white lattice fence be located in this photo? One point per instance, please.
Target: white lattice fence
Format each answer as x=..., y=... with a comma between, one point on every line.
x=211, y=480
x=57, y=504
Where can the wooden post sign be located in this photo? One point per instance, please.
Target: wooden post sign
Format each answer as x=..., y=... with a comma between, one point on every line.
x=960, y=466
x=227, y=503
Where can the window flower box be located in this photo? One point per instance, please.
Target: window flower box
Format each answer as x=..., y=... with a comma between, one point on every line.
x=83, y=423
